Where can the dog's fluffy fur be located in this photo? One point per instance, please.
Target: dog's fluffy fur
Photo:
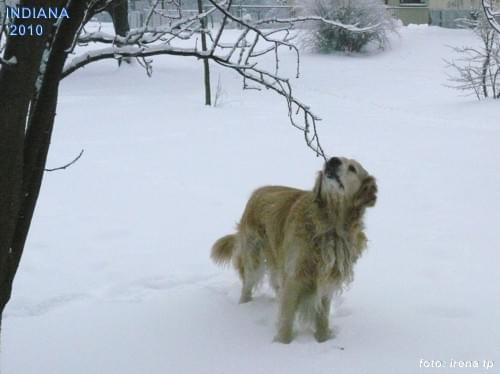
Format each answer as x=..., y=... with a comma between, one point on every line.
x=307, y=241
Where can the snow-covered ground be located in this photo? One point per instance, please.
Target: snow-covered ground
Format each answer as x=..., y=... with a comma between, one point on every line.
x=116, y=276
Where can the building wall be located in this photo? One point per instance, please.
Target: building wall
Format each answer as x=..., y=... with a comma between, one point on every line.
x=434, y=12
x=398, y=3
x=454, y=4
x=409, y=13
x=438, y=4
x=445, y=12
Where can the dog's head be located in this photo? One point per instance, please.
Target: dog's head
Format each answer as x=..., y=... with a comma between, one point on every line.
x=346, y=179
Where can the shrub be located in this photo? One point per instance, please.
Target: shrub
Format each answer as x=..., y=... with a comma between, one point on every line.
x=365, y=14
x=477, y=69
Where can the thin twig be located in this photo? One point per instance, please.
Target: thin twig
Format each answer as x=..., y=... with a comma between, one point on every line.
x=68, y=164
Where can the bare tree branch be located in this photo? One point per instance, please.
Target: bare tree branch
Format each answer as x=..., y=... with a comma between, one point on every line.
x=476, y=69
x=243, y=54
x=492, y=15
x=68, y=164
x=11, y=61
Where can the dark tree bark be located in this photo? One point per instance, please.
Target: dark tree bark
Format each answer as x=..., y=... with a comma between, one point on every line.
x=118, y=10
x=206, y=66
x=26, y=121
x=17, y=83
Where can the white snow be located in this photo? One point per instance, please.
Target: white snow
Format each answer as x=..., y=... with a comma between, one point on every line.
x=116, y=276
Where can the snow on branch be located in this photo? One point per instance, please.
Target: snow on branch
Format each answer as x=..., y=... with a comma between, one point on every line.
x=3, y=33
x=492, y=14
x=11, y=61
x=352, y=28
x=3, y=28
x=244, y=54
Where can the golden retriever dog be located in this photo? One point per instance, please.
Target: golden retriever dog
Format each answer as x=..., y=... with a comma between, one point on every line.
x=306, y=241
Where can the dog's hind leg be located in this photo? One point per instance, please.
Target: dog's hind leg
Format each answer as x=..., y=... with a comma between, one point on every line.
x=322, y=320
x=274, y=280
x=250, y=265
x=289, y=302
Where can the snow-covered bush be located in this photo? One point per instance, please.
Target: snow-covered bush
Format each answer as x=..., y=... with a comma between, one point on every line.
x=368, y=14
x=477, y=69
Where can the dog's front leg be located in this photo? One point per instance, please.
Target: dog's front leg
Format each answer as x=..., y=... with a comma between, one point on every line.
x=322, y=322
x=289, y=302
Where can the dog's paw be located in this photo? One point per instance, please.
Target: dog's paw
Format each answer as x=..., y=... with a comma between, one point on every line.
x=323, y=335
x=283, y=338
x=245, y=299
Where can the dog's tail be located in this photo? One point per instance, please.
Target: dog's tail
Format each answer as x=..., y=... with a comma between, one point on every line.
x=223, y=249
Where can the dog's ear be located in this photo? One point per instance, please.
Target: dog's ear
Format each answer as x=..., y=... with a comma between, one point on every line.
x=366, y=196
x=317, y=189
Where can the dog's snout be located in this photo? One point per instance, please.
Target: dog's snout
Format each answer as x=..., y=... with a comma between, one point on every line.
x=334, y=162
x=331, y=166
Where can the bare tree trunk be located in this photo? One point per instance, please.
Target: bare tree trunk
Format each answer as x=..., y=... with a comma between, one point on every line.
x=26, y=130
x=206, y=67
x=486, y=63
x=17, y=83
x=118, y=11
